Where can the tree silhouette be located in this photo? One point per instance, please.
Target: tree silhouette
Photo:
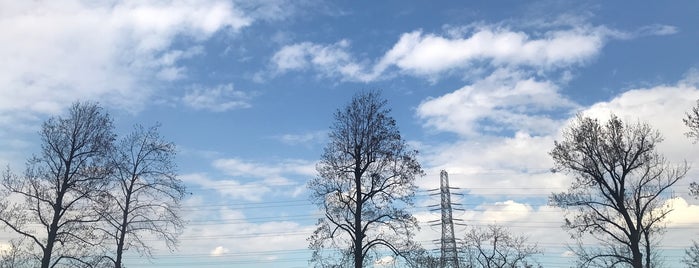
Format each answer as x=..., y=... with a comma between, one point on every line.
x=618, y=191
x=146, y=195
x=61, y=187
x=365, y=182
x=494, y=247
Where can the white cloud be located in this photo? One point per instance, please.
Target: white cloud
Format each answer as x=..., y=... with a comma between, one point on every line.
x=332, y=60
x=252, y=181
x=429, y=54
x=304, y=138
x=683, y=214
x=234, y=189
x=238, y=167
x=505, y=100
x=663, y=107
x=495, y=167
x=492, y=167
x=231, y=234
x=58, y=51
x=220, y=98
x=218, y=251
x=658, y=29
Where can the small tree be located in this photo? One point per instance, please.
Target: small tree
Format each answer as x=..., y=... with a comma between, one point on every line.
x=147, y=193
x=495, y=246
x=15, y=256
x=691, y=258
x=619, y=187
x=365, y=182
x=61, y=186
x=691, y=120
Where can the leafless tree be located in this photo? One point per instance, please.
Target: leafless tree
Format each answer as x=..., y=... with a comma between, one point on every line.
x=494, y=246
x=15, y=255
x=691, y=258
x=691, y=120
x=146, y=195
x=365, y=183
x=60, y=186
x=619, y=186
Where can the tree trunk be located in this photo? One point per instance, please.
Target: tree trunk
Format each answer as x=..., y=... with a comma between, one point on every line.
x=124, y=225
x=358, y=235
x=637, y=256
x=53, y=232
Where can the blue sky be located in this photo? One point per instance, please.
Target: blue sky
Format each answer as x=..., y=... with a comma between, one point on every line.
x=246, y=89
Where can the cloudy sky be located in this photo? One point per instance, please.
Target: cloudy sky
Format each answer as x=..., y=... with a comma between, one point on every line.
x=246, y=89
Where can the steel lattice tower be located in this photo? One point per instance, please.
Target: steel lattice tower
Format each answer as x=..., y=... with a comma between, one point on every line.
x=449, y=257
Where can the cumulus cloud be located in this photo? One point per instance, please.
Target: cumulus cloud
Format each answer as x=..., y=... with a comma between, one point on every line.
x=505, y=100
x=429, y=54
x=220, y=98
x=333, y=60
x=218, y=251
x=661, y=106
x=516, y=167
x=55, y=52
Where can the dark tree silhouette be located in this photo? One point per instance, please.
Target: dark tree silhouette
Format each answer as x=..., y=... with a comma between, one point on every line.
x=691, y=120
x=61, y=185
x=365, y=182
x=619, y=186
x=691, y=258
x=147, y=193
x=495, y=247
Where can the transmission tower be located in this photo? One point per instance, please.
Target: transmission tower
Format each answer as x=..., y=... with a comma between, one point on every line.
x=448, y=257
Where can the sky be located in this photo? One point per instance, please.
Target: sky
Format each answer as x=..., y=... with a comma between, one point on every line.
x=247, y=89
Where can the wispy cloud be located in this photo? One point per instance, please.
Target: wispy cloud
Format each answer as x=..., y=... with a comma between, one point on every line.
x=251, y=181
x=307, y=138
x=220, y=98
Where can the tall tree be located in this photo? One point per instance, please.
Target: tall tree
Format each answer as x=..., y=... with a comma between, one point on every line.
x=366, y=180
x=146, y=195
x=691, y=120
x=61, y=185
x=495, y=247
x=619, y=185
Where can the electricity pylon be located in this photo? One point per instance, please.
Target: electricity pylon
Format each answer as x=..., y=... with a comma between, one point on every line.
x=449, y=257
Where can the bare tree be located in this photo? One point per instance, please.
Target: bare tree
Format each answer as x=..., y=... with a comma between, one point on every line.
x=147, y=194
x=365, y=183
x=494, y=246
x=692, y=121
x=691, y=258
x=618, y=191
x=15, y=256
x=59, y=188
